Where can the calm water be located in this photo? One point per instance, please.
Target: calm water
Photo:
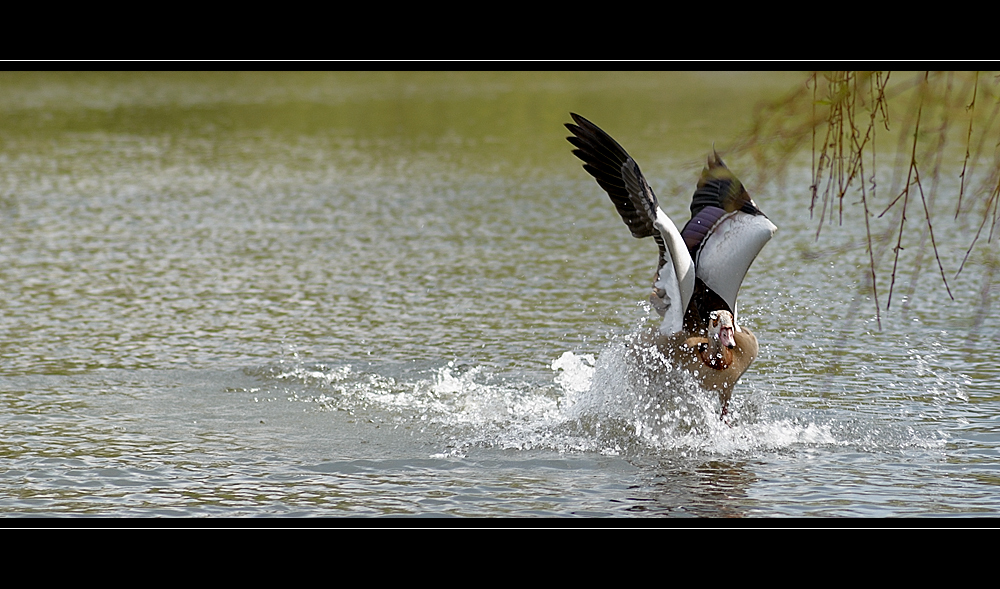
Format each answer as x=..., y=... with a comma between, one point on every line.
x=399, y=294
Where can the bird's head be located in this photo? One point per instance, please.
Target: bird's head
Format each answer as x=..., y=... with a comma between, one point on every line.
x=721, y=327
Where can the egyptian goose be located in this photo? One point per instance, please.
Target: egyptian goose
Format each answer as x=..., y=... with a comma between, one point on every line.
x=700, y=268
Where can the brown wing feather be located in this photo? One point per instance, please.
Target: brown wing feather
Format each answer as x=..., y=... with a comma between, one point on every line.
x=719, y=187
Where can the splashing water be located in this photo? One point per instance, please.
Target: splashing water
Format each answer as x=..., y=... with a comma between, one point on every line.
x=607, y=405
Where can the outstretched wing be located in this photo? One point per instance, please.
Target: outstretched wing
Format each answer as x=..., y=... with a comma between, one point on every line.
x=618, y=174
x=609, y=164
x=724, y=236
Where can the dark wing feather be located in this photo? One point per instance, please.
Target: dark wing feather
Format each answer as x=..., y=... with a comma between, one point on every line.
x=718, y=187
x=696, y=230
x=617, y=173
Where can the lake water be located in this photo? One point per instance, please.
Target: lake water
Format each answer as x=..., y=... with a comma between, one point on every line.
x=398, y=294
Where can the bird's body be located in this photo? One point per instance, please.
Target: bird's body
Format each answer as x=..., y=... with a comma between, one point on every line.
x=700, y=268
x=716, y=368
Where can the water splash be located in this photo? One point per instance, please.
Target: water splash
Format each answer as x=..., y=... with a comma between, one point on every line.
x=630, y=409
x=627, y=401
x=604, y=405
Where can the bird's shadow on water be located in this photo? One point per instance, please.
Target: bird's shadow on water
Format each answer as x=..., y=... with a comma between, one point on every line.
x=692, y=488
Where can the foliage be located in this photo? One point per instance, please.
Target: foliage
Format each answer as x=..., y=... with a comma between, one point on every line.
x=840, y=115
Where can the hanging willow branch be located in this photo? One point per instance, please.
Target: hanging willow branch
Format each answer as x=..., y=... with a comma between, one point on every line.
x=844, y=112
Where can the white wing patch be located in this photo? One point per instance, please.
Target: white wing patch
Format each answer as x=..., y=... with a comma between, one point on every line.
x=675, y=279
x=731, y=246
